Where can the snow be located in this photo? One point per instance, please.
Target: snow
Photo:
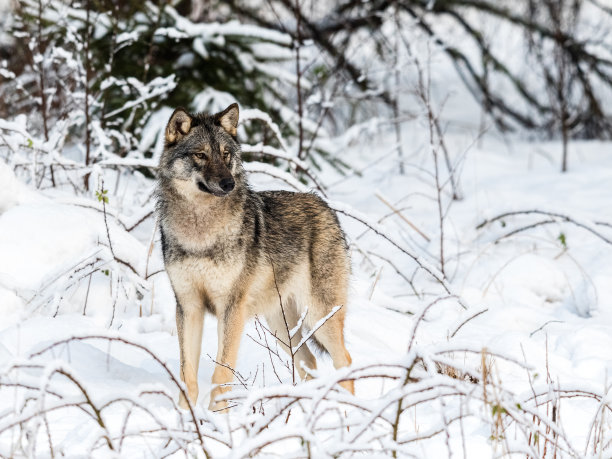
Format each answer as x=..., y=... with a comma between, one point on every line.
x=215, y=31
x=88, y=312
x=532, y=302
x=212, y=101
x=254, y=114
x=152, y=133
x=154, y=88
x=13, y=192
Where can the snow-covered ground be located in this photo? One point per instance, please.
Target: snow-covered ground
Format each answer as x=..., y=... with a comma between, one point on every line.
x=538, y=319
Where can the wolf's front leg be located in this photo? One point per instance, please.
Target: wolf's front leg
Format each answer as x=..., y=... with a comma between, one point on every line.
x=189, y=323
x=229, y=329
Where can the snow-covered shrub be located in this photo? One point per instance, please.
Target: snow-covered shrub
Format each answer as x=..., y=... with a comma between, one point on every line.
x=96, y=75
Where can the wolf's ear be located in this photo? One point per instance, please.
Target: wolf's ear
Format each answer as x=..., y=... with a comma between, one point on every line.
x=178, y=126
x=228, y=119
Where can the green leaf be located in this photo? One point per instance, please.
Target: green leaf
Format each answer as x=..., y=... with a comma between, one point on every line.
x=561, y=238
x=30, y=143
x=320, y=71
x=102, y=196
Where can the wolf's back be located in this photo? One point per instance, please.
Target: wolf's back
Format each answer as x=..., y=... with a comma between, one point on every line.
x=301, y=228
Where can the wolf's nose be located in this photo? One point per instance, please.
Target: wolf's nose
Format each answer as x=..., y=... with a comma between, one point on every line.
x=227, y=184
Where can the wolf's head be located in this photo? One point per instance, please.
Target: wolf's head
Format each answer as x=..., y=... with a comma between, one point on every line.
x=201, y=154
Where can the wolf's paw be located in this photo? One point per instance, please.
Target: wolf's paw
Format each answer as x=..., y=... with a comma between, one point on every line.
x=220, y=405
x=216, y=404
x=349, y=385
x=182, y=403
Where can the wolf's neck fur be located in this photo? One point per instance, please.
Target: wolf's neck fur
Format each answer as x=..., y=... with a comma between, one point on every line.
x=198, y=221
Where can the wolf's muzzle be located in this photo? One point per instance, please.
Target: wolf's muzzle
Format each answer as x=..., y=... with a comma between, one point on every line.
x=222, y=189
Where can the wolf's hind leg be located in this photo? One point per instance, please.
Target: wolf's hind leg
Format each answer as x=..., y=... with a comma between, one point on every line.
x=331, y=337
x=277, y=325
x=189, y=322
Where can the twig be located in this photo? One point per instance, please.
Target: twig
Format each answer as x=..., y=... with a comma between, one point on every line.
x=238, y=376
x=524, y=228
x=280, y=301
x=176, y=382
x=399, y=214
x=544, y=325
x=87, y=294
x=563, y=217
x=150, y=251
x=406, y=278
x=379, y=231
x=104, y=199
x=142, y=219
x=421, y=317
x=314, y=329
x=473, y=316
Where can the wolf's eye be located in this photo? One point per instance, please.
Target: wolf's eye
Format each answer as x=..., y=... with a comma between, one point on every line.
x=200, y=155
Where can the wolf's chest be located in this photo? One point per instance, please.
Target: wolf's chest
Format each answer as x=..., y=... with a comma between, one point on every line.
x=215, y=280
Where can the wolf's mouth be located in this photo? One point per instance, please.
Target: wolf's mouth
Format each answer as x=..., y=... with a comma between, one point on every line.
x=204, y=188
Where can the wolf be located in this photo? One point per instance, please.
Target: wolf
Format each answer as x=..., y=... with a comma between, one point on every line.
x=236, y=253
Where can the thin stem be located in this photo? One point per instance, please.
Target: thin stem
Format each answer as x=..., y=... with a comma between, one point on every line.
x=298, y=73
x=87, y=108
